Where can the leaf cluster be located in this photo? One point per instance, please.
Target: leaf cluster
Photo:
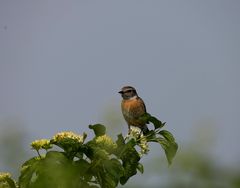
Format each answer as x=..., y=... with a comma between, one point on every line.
x=99, y=162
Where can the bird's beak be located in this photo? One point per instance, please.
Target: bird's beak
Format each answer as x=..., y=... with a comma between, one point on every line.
x=121, y=92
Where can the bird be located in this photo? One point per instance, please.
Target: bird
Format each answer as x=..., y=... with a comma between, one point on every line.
x=133, y=107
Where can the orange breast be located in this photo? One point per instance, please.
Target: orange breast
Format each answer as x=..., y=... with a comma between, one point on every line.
x=132, y=110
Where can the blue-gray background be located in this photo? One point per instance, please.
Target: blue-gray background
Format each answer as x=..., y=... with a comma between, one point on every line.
x=63, y=62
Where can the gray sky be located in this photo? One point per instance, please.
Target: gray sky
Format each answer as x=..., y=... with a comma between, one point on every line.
x=63, y=62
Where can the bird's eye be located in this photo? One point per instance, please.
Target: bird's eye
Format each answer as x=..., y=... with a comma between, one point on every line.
x=128, y=91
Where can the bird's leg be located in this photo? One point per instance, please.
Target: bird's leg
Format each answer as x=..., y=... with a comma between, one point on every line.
x=129, y=129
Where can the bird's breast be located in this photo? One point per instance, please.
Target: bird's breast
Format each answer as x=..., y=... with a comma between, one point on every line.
x=133, y=108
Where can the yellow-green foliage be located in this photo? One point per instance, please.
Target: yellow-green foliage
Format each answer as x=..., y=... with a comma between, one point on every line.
x=99, y=162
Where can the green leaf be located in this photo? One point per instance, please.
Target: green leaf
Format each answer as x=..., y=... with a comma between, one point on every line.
x=140, y=168
x=114, y=170
x=98, y=129
x=84, y=169
x=171, y=146
x=130, y=159
x=148, y=118
x=120, y=145
x=84, y=136
x=99, y=153
x=166, y=134
x=157, y=123
x=151, y=135
x=171, y=152
x=120, y=141
x=114, y=167
x=94, y=152
x=83, y=165
x=170, y=149
x=55, y=170
x=27, y=172
x=87, y=150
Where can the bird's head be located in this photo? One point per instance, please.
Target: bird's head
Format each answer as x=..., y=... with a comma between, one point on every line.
x=128, y=92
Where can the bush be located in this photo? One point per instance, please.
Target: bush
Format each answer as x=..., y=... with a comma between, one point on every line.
x=100, y=162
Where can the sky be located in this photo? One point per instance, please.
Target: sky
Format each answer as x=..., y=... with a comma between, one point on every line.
x=62, y=64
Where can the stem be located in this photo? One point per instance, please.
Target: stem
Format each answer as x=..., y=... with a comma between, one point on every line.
x=39, y=154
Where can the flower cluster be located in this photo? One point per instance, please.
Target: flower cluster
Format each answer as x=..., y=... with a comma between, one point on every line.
x=6, y=180
x=134, y=133
x=143, y=144
x=59, y=137
x=105, y=142
x=41, y=144
x=4, y=176
x=137, y=135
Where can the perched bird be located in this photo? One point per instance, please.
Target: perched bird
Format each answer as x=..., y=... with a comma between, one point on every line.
x=132, y=108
